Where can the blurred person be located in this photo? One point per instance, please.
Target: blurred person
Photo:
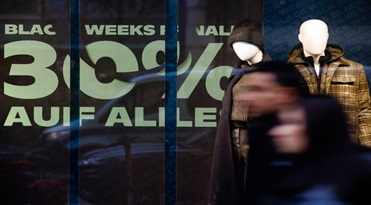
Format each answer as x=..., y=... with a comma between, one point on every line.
x=327, y=71
x=322, y=165
x=231, y=142
x=278, y=86
x=48, y=192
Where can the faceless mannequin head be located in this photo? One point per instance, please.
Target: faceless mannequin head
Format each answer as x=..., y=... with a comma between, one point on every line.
x=313, y=35
x=247, y=52
x=247, y=41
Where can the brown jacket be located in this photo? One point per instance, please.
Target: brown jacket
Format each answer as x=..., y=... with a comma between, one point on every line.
x=344, y=79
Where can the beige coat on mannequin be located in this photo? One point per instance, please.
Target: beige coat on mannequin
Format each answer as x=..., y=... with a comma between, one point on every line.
x=326, y=71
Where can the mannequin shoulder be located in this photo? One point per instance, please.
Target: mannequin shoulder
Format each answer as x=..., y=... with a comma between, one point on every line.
x=353, y=64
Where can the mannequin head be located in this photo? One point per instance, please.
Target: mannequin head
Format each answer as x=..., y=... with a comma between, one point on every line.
x=247, y=52
x=313, y=35
x=247, y=41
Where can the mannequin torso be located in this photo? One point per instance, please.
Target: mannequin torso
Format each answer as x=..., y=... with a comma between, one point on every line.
x=251, y=54
x=342, y=78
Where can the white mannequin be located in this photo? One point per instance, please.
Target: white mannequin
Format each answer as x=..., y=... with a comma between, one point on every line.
x=247, y=52
x=314, y=35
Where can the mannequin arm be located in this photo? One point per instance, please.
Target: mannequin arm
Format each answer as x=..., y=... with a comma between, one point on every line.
x=364, y=115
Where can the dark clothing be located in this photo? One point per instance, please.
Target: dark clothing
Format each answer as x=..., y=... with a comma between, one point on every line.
x=331, y=170
x=262, y=156
x=226, y=184
x=298, y=182
x=222, y=188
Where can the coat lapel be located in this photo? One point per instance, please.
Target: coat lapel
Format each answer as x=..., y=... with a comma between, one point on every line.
x=309, y=76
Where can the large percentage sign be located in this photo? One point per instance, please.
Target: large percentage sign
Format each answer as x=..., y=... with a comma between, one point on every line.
x=201, y=66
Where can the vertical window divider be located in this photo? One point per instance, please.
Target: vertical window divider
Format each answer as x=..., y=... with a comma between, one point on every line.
x=170, y=100
x=74, y=145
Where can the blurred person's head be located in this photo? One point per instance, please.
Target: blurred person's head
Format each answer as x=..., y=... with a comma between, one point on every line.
x=277, y=85
x=314, y=134
x=326, y=124
x=290, y=136
x=317, y=126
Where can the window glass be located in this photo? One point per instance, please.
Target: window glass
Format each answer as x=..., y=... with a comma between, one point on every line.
x=34, y=100
x=122, y=56
x=207, y=60
x=122, y=89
